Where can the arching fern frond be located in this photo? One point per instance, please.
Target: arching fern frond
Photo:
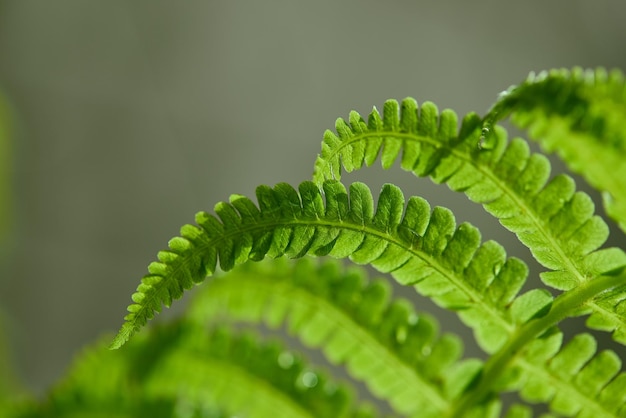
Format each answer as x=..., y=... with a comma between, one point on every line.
x=396, y=351
x=417, y=247
x=554, y=221
x=580, y=115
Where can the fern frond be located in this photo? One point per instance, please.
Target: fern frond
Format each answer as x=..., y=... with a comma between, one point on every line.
x=417, y=247
x=574, y=379
x=554, y=221
x=396, y=351
x=580, y=115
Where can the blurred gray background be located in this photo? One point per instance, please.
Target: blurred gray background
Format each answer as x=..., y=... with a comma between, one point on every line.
x=133, y=115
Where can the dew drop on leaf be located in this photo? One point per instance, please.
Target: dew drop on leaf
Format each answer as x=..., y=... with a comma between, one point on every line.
x=485, y=142
x=309, y=379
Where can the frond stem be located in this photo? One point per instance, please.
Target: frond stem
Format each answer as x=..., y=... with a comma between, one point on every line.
x=563, y=307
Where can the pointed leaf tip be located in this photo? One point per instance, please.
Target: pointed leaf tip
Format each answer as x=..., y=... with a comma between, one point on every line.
x=117, y=342
x=122, y=337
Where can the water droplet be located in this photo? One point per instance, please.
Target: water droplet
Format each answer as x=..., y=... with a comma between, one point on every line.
x=309, y=379
x=503, y=94
x=485, y=141
x=426, y=350
x=413, y=319
x=285, y=359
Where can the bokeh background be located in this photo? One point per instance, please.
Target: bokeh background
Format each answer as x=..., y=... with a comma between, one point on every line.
x=130, y=116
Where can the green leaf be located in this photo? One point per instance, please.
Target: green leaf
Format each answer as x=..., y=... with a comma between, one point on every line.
x=532, y=304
